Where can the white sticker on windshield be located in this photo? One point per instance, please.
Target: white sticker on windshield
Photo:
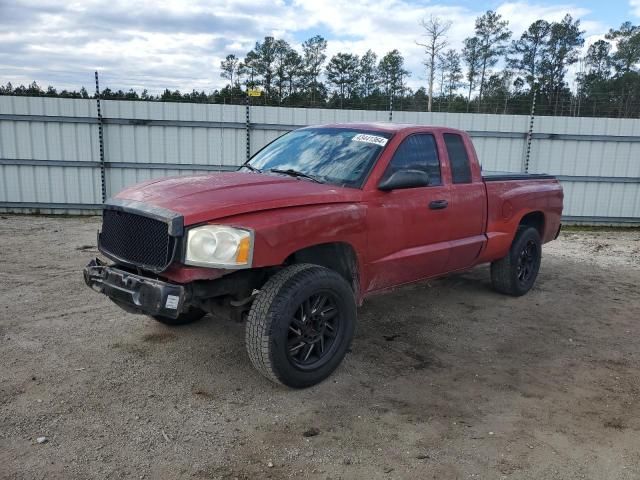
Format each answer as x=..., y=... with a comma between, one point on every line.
x=375, y=139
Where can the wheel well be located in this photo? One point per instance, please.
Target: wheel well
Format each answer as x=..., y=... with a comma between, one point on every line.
x=337, y=256
x=535, y=220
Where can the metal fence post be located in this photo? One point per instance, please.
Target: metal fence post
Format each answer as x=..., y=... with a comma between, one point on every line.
x=391, y=108
x=530, y=133
x=103, y=182
x=248, y=125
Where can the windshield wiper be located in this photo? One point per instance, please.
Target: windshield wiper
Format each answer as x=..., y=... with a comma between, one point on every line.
x=251, y=167
x=295, y=173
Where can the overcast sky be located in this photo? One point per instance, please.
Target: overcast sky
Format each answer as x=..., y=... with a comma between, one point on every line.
x=179, y=44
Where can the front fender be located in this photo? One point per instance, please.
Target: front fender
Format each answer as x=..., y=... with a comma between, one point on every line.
x=280, y=233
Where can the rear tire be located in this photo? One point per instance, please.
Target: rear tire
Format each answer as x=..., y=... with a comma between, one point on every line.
x=190, y=316
x=516, y=272
x=300, y=325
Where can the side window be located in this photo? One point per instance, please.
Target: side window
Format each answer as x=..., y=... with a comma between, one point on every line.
x=458, y=159
x=417, y=152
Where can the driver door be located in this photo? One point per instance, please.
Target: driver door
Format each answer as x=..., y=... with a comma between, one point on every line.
x=409, y=228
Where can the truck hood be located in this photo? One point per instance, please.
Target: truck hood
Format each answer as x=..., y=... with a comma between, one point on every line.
x=201, y=198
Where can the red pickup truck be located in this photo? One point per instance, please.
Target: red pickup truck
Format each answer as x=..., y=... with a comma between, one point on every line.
x=314, y=223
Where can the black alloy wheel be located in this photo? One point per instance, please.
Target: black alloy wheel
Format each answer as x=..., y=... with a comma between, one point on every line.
x=313, y=331
x=527, y=262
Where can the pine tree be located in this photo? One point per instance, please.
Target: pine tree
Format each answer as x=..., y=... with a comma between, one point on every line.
x=529, y=50
x=492, y=34
x=342, y=71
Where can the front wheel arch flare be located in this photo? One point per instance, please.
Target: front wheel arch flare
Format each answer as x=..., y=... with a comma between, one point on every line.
x=341, y=257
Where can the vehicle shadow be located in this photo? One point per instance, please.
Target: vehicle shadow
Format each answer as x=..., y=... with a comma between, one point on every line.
x=399, y=333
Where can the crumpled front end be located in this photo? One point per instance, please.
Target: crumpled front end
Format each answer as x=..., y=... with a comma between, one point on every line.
x=140, y=235
x=143, y=240
x=136, y=293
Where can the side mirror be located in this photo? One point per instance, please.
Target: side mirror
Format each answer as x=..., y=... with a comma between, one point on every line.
x=404, y=179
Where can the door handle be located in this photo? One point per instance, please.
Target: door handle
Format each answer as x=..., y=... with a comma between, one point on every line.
x=438, y=204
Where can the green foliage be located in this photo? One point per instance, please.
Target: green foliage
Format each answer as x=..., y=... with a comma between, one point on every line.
x=392, y=74
x=368, y=74
x=529, y=51
x=492, y=33
x=314, y=56
x=561, y=51
x=451, y=73
x=472, y=56
x=627, y=40
x=342, y=72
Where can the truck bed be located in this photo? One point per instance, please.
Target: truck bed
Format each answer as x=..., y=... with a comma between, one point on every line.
x=510, y=195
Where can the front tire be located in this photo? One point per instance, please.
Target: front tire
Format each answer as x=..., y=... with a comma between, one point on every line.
x=300, y=325
x=516, y=272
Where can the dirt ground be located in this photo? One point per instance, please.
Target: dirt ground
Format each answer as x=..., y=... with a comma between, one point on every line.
x=446, y=379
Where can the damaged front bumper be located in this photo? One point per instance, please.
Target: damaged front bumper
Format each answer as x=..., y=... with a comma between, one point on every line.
x=135, y=293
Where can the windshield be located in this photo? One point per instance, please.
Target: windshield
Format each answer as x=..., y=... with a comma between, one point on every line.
x=333, y=155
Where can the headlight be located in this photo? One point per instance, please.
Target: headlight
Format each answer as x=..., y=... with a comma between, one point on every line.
x=219, y=246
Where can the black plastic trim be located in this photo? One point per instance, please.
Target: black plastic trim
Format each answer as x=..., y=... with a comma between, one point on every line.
x=558, y=232
x=174, y=220
x=517, y=176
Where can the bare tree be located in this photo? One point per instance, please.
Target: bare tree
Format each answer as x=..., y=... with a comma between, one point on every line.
x=229, y=69
x=435, y=31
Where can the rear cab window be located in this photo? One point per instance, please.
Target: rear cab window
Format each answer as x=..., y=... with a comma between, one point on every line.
x=417, y=152
x=458, y=158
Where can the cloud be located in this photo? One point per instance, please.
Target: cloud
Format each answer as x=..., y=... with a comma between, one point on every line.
x=179, y=45
x=635, y=7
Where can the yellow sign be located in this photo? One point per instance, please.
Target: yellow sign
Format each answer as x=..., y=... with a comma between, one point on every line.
x=254, y=92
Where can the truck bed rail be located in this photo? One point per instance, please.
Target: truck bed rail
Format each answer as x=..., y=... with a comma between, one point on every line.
x=501, y=176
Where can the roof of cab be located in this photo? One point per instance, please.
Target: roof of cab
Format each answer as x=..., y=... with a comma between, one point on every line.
x=384, y=126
